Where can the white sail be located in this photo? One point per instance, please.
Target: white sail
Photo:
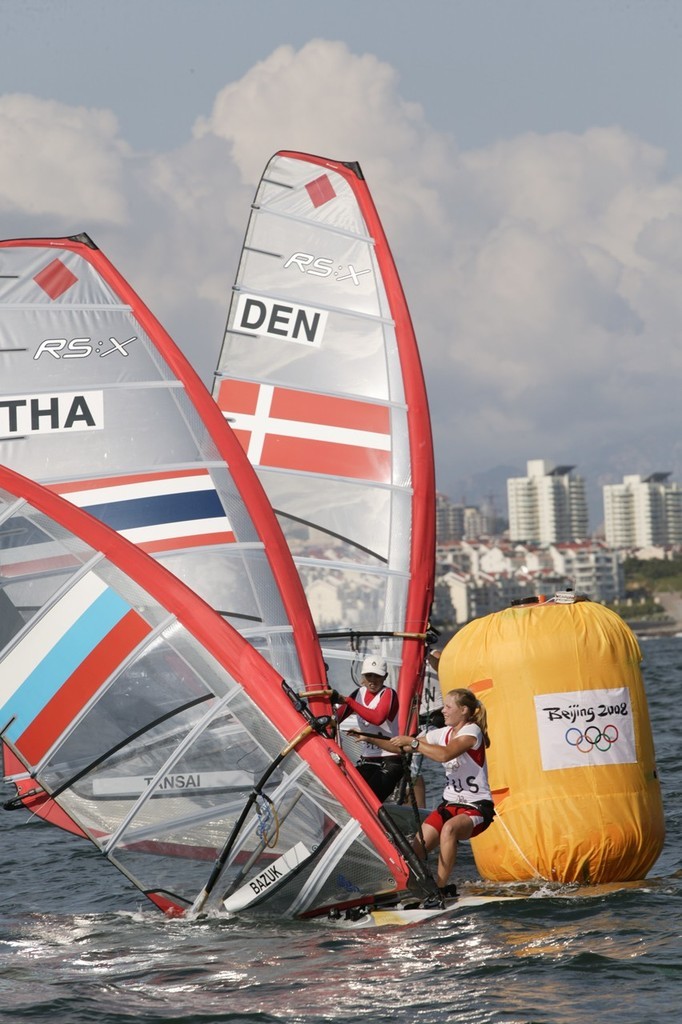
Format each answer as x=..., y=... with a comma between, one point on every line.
x=320, y=378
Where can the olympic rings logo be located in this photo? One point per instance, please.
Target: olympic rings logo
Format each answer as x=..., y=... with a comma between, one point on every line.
x=602, y=739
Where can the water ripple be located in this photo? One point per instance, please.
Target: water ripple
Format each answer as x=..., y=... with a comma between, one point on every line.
x=78, y=947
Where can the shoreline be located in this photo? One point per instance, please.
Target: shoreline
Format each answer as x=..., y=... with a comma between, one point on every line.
x=669, y=625
x=644, y=632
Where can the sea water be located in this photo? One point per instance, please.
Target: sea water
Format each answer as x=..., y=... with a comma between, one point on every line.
x=78, y=945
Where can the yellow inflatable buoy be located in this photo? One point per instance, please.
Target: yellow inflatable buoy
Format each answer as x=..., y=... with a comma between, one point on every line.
x=571, y=761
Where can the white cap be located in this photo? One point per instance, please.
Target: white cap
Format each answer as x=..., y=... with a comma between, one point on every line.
x=375, y=665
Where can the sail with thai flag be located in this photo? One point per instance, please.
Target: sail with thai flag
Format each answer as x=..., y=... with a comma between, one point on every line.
x=320, y=379
x=98, y=404
x=136, y=716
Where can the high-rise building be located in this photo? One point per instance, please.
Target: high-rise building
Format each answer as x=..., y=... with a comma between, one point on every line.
x=456, y=522
x=641, y=513
x=547, y=506
x=449, y=520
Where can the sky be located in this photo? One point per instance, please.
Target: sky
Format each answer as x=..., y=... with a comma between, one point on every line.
x=525, y=157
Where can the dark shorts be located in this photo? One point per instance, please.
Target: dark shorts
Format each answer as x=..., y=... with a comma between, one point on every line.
x=481, y=814
x=382, y=775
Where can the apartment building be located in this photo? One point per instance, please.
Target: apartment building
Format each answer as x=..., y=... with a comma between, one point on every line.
x=548, y=505
x=643, y=512
x=456, y=521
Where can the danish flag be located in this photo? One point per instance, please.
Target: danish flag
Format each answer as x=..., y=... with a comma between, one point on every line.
x=288, y=429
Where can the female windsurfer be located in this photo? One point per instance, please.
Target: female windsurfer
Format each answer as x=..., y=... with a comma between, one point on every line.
x=376, y=707
x=467, y=807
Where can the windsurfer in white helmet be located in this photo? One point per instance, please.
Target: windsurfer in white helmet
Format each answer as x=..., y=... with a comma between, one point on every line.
x=376, y=707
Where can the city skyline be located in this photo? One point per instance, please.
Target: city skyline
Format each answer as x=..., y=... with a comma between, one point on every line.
x=494, y=506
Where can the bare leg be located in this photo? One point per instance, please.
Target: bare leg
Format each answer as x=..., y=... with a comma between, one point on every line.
x=430, y=838
x=459, y=827
x=420, y=791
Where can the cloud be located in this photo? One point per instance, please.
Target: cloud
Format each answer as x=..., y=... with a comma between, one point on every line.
x=320, y=98
x=190, y=210
x=542, y=272
x=323, y=99
x=557, y=333
x=60, y=161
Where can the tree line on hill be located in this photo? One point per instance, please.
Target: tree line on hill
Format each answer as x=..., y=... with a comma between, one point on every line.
x=653, y=574
x=644, y=579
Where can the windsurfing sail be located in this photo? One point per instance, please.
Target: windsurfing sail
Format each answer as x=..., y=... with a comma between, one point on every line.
x=320, y=379
x=99, y=404
x=148, y=724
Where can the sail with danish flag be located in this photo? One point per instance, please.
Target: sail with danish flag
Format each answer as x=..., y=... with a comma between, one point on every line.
x=285, y=428
x=320, y=379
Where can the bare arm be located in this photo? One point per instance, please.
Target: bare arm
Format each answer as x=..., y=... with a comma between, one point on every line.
x=376, y=741
x=435, y=751
x=456, y=746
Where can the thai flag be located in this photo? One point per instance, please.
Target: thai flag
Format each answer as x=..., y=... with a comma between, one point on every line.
x=297, y=430
x=156, y=511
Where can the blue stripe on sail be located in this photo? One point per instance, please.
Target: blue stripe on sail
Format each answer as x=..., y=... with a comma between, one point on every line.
x=164, y=508
x=63, y=660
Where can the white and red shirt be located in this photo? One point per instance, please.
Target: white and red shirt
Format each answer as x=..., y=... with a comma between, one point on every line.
x=376, y=713
x=467, y=774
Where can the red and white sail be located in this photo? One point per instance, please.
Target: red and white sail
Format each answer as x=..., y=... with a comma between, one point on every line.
x=320, y=379
x=130, y=708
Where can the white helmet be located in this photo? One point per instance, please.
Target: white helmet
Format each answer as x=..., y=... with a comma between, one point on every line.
x=374, y=664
